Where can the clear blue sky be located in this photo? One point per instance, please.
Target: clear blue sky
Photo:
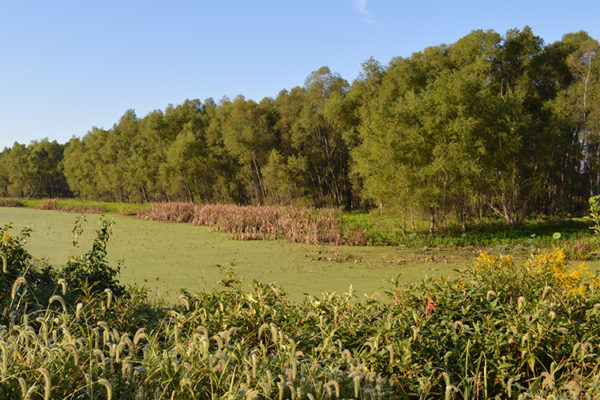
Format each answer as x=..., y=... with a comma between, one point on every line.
x=66, y=66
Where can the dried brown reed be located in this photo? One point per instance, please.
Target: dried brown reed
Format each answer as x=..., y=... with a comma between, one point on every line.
x=8, y=202
x=169, y=212
x=49, y=204
x=304, y=225
x=87, y=210
x=296, y=224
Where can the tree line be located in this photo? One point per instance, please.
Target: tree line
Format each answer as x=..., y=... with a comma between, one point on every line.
x=491, y=124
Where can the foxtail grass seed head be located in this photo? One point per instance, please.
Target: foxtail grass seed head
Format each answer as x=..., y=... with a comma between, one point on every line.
x=4, y=359
x=356, y=381
x=99, y=354
x=139, y=335
x=109, y=295
x=15, y=287
x=333, y=385
x=254, y=365
x=60, y=300
x=47, y=382
x=547, y=290
x=63, y=285
x=107, y=386
x=184, y=300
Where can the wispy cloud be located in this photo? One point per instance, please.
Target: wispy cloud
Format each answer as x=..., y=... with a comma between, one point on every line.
x=361, y=6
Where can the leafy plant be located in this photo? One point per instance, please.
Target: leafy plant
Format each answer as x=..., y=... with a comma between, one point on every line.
x=93, y=267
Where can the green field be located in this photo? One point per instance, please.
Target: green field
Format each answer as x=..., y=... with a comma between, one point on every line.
x=168, y=257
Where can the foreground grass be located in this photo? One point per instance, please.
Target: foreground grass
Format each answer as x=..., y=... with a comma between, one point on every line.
x=499, y=329
x=168, y=257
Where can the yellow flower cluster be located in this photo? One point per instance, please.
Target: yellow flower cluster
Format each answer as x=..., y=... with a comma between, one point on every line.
x=549, y=266
x=553, y=265
x=488, y=262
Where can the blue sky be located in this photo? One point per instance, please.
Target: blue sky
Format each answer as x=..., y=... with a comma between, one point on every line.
x=66, y=66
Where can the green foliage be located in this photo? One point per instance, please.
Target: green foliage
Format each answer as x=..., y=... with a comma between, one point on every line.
x=387, y=230
x=17, y=264
x=499, y=330
x=33, y=171
x=284, y=180
x=92, y=269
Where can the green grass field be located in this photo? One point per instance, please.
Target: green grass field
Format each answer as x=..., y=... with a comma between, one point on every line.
x=168, y=257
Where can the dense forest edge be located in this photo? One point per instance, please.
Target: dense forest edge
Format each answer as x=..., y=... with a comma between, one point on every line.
x=491, y=125
x=497, y=330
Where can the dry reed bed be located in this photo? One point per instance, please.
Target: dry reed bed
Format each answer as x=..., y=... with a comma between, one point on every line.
x=296, y=224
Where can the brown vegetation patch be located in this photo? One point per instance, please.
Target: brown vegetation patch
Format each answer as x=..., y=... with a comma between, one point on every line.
x=87, y=210
x=49, y=204
x=6, y=202
x=170, y=212
x=296, y=224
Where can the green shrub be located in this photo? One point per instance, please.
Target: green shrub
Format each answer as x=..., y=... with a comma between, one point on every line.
x=92, y=268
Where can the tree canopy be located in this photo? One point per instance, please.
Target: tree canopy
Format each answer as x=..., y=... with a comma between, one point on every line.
x=491, y=124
